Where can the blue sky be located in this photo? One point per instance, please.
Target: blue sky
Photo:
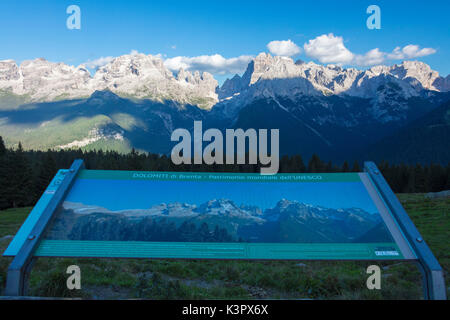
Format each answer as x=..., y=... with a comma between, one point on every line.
x=31, y=29
x=132, y=194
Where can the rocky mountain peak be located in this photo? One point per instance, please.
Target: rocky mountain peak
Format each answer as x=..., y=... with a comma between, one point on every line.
x=418, y=74
x=137, y=75
x=289, y=78
x=283, y=203
x=146, y=77
x=9, y=71
x=442, y=84
x=267, y=66
x=131, y=67
x=184, y=76
x=43, y=80
x=220, y=203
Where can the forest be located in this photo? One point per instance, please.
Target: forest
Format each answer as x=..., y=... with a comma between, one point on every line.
x=25, y=174
x=100, y=227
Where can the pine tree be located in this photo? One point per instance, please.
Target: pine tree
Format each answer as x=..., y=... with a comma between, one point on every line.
x=204, y=234
x=18, y=179
x=420, y=179
x=134, y=160
x=315, y=164
x=3, y=175
x=187, y=232
x=284, y=164
x=345, y=167
x=46, y=172
x=2, y=147
x=299, y=166
x=447, y=173
x=356, y=167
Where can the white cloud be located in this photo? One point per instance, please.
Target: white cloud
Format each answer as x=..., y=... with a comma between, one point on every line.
x=283, y=48
x=331, y=49
x=328, y=48
x=372, y=57
x=215, y=64
x=94, y=64
x=375, y=56
x=160, y=55
x=410, y=51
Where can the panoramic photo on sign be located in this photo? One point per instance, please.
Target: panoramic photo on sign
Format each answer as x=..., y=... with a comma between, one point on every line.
x=213, y=215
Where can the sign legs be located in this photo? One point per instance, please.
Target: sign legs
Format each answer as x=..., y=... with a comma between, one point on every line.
x=17, y=279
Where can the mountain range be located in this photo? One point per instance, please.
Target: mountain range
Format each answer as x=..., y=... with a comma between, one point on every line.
x=136, y=101
x=220, y=220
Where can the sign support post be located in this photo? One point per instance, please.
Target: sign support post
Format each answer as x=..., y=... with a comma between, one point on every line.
x=20, y=267
x=432, y=273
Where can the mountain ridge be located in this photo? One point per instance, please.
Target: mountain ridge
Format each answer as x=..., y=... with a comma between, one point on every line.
x=133, y=75
x=327, y=110
x=145, y=76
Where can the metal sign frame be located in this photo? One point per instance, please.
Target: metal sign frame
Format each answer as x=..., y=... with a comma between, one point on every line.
x=19, y=269
x=432, y=273
x=22, y=263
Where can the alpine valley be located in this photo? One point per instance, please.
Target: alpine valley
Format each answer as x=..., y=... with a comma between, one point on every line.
x=399, y=113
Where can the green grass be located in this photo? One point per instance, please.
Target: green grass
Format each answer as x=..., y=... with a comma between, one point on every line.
x=216, y=279
x=51, y=133
x=11, y=101
x=120, y=146
x=431, y=217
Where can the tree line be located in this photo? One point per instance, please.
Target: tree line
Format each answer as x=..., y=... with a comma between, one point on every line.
x=25, y=174
x=101, y=227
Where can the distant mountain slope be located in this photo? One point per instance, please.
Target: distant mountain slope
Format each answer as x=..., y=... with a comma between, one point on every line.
x=103, y=121
x=335, y=127
x=425, y=140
